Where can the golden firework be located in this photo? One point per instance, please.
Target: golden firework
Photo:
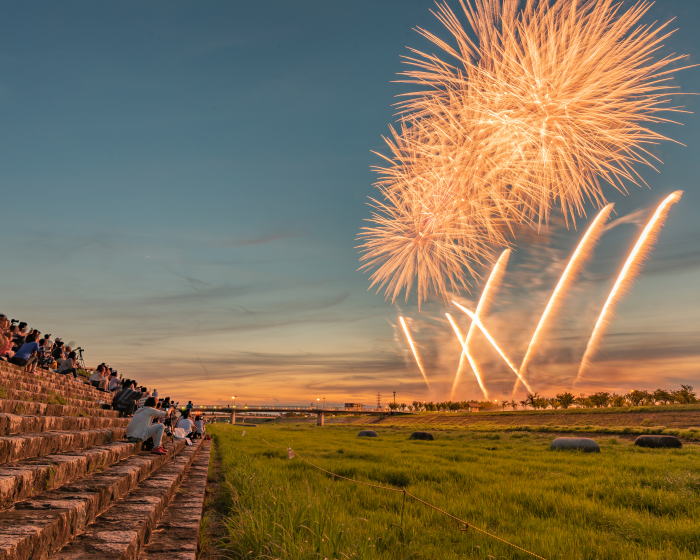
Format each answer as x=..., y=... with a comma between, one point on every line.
x=527, y=107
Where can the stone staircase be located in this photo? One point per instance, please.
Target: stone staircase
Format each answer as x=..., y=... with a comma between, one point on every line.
x=71, y=487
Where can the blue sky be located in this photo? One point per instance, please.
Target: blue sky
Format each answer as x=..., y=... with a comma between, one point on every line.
x=182, y=184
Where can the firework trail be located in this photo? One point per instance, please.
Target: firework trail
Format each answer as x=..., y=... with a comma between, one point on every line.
x=524, y=107
x=578, y=258
x=465, y=352
x=414, y=350
x=630, y=268
x=494, y=280
x=493, y=343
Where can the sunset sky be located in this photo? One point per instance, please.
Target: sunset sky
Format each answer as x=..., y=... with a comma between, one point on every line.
x=182, y=184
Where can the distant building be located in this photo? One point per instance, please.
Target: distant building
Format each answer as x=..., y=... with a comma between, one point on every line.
x=353, y=406
x=474, y=407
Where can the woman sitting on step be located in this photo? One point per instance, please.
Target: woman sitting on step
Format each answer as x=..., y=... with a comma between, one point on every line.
x=140, y=427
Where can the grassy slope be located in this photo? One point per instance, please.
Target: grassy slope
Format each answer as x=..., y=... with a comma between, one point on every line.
x=626, y=503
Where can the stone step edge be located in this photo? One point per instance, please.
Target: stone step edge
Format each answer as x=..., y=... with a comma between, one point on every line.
x=177, y=535
x=123, y=529
x=55, y=398
x=44, y=524
x=49, y=389
x=16, y=424
x=24, y=446
x=49, y=377
x=34, y=408
x=26, y=479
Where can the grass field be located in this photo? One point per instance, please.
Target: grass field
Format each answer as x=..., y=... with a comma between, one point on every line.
x=624, y=503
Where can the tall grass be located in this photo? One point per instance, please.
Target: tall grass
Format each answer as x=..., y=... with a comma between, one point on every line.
x=625, y=503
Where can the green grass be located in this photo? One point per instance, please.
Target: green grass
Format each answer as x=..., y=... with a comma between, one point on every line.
x=688, y=434
x=574, y=411
x=625, y=503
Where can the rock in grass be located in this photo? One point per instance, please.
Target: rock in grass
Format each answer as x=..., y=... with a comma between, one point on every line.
x=367, y=433
x=584, y=444
x=658, y=441
x=422, y=435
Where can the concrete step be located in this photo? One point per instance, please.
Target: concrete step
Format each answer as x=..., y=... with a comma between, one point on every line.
x=49, y=398
x=24, y=408
x=15, y=424
x=25, y=479
x=36, y=528
x=50, y=378
x=26, y=446
x=177, y=534
x=48, y=389
x=122, y=531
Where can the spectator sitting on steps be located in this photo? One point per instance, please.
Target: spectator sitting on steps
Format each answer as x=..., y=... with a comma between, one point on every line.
x=67, y=365
x=186, y=424
x=199, y=426
x=140, y=427
x=27, y=354
x=114, y=383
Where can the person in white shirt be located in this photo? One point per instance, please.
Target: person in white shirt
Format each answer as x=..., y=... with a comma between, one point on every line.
x=141, y=428
x=114, y=383
x=185, y=423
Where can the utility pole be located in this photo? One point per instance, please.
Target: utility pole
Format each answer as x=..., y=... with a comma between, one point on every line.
x=394, y=397
x=379, y=401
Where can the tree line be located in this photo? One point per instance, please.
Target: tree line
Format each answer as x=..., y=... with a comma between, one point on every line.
x=601, y=399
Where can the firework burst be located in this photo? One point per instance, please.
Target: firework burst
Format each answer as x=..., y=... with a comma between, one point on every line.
x=527, y=107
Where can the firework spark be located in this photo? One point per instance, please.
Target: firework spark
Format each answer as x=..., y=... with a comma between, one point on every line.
x=490, y=287
x=467, y=353
x=493, y=343
x=526, y=107
x=414, y=350
x=627, y=273
x=578, y=258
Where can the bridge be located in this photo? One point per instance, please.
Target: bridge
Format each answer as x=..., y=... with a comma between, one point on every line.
x=320, y=412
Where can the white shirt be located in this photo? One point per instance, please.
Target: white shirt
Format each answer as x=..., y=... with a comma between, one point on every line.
x=186, y=424
x=138, y=426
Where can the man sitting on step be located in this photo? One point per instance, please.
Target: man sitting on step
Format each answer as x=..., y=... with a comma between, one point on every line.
x=140, y=427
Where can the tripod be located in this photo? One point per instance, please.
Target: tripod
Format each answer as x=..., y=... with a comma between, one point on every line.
x=80, y=361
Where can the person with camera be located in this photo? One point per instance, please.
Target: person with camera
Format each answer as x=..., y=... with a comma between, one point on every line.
x=141, y=426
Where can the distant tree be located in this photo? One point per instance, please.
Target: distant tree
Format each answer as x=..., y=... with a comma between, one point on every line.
x=554, y=402
x=684, y=395
x=600, y=400
x=662, y=397
x=541, y=402
x=513, y=404
x=637, y=397
x=393, y=406
x=565, y=400
x=583, y=401
x=617, y=400
x=531, y=400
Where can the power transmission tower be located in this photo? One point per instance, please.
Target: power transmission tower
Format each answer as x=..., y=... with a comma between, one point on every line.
x=379, y=401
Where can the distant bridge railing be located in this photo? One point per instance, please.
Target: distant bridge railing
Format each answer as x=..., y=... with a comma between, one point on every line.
x=297, y=409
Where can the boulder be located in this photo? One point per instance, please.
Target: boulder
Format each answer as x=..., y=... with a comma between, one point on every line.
x=367, y=433
x=422, y=435
x=658, y=441
x=587, y=445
